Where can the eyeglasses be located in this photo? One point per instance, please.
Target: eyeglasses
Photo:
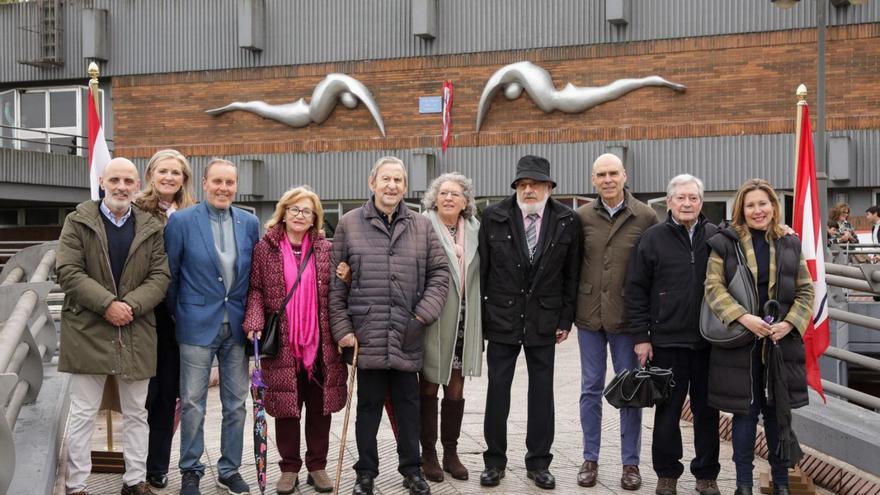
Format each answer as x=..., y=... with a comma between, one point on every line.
x=296, y=211
x=450, y=194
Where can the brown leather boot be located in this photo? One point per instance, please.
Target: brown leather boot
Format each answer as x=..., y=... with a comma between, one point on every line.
x=451, y=413
x=428, y=437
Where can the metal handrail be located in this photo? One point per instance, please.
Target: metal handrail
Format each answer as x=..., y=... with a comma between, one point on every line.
x=27, y=336
x=853, y=357
x=851, y=395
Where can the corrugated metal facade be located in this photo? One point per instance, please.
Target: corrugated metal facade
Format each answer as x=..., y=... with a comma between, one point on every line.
x=45, y=169
x=160, y=36
x=722, y=162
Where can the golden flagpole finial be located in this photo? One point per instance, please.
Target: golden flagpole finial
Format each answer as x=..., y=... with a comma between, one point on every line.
x=94, y=71
x=93, y=83
x=801, y=93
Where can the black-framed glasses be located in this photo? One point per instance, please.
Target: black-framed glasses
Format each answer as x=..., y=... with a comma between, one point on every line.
x=296, y=211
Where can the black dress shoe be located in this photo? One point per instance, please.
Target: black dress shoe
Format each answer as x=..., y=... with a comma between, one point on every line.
x=363, y=485
x=416, y=484
x=743, y=490
x=491, y=476
x=157, y=480
x=543, y=478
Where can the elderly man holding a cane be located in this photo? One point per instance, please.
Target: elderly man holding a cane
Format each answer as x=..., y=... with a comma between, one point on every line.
x=399, y=279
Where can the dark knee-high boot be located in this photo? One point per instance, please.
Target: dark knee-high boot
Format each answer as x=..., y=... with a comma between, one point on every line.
x=451, y=414
x=428, y=437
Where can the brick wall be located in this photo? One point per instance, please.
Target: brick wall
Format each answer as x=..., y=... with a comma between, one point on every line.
x=737, y=84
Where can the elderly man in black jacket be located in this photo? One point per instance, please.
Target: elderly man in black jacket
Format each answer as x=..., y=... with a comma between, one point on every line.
x=530, y=251
x=664, y=291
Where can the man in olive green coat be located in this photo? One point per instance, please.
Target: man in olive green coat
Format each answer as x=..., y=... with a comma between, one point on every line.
x=612, y=224
x=112, y=268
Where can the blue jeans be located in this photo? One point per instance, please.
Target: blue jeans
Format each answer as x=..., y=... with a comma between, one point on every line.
x=744, y=430
x=195, y=369
x=594, y=355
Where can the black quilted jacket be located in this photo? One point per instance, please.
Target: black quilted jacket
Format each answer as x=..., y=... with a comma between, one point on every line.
x=395, y=276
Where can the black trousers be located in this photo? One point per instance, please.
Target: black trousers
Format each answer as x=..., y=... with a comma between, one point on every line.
x=371, y=389
x=162, y=393
x=691, y=370
x=501, y=362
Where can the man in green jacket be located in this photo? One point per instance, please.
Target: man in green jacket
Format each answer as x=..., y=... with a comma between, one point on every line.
x=612, y=224
x=112, y=268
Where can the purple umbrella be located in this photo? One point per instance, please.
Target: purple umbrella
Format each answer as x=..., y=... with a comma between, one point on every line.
x=260, y=425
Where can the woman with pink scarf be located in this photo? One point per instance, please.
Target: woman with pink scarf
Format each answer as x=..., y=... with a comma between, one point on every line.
x=308, y=370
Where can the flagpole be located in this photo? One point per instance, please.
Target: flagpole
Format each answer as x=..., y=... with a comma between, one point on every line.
x=799, y=119
x=94, y=72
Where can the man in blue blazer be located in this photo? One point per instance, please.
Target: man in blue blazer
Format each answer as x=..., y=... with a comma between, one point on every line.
x=209, y=252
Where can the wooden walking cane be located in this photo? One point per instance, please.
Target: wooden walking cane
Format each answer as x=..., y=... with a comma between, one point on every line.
x=354, y=369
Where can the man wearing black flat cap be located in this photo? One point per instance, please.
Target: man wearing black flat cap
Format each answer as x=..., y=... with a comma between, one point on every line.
x=530, y=252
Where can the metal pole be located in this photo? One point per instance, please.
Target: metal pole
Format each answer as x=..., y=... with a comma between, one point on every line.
x=851, y=395
x=15, y=275
x=853, y=358
x=10, y=336
x=854, y=319
x=821, y=159
x=47, y=263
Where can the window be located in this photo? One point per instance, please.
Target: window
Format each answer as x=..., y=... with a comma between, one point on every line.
x=46, y=119
x=33, y=216
x=41, y=216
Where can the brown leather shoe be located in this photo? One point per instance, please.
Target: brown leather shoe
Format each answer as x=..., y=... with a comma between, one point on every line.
x=666, y=486
x=588, y=473
x=630, y=479
x=141, y=488
x=707, y=487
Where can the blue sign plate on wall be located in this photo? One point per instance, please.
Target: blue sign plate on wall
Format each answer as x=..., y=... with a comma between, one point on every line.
x=430, y=104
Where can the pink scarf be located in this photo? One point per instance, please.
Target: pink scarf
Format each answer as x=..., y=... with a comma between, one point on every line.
x=302, y=309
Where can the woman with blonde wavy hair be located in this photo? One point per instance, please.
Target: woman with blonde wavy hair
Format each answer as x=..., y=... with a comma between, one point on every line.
x=168, y=188
x=737, y=375
x=168, y=182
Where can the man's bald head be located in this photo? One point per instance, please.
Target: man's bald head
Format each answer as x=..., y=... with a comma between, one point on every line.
x=120, y=182
x=118, y=164
x=607, y=159
x=609, y=176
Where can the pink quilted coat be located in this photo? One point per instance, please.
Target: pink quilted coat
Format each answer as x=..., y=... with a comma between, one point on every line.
x=266, y=294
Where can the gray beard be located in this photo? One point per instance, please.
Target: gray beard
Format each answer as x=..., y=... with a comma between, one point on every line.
x=529, y=208
x=117, y=205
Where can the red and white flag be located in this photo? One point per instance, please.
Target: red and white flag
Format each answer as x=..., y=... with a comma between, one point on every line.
x=99, y=153
x=446, y=134
x=807, y=224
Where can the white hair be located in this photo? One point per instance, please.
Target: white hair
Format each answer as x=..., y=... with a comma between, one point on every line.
x=467, y=187
x=681, y=180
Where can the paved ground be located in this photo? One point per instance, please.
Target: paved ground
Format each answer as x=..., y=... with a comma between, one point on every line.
x=567, y=446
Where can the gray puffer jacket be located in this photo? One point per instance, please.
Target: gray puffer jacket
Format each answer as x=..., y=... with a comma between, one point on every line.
x=394, y=277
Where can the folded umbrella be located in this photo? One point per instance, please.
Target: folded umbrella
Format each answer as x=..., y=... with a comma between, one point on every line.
x=788, y=449
x=258, y=388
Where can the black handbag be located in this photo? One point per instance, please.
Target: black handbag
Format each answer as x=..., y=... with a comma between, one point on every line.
x=270, y=339
x=645, y=387
x=741, y=288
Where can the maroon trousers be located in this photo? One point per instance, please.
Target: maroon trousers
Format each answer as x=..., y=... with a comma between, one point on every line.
x=287, y=430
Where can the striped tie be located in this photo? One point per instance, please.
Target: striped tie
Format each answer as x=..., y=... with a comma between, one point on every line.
x=532, y=234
